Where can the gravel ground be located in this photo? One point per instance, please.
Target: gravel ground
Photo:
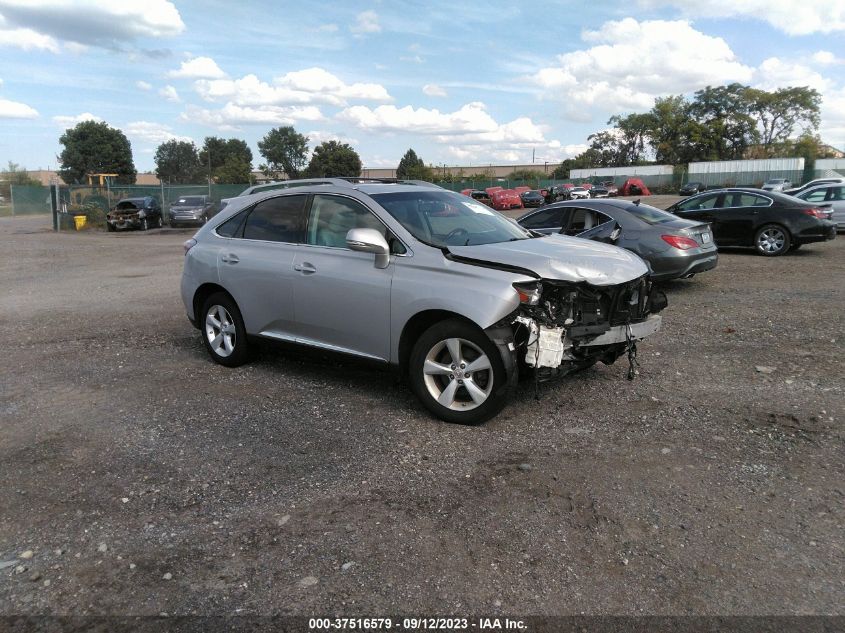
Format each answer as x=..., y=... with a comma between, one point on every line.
x=138, y=477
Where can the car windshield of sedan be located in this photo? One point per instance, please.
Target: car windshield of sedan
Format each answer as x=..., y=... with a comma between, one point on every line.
x=442, y=219
x=650, y=215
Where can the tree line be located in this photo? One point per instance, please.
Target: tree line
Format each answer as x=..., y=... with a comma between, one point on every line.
x=731, y=122
x=94, y=147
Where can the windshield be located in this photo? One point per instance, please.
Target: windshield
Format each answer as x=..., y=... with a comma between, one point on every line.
x=650, y=215
x=194, y=201
x=443, y=218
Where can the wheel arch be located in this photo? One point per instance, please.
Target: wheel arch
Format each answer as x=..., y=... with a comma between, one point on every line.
x=418, y=324
x=201, y=294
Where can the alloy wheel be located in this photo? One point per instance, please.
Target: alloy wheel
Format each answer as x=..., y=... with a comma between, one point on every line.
x=771, y=240
x=220, y=330
x=458, y=374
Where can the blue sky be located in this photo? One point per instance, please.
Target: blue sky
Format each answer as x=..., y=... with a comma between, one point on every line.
x=462, y=83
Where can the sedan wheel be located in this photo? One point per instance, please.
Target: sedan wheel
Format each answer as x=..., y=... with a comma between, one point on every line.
x=223, y=330
x=145, y=224
x=457, y=373
x=772, y=240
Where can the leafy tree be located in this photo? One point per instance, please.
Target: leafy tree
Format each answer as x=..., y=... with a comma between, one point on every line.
x=177, y=162
x=633, y=134
x=779, y=113
x=230, y=160
x=412, y=167
x=728, y=129
x=334, y=159
x=92, y=147
x=285, y=150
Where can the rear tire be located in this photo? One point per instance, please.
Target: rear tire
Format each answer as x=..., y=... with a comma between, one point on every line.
x=159, y=222
x=145, y=224
x=772, y=240
x=109, y=227
x=457, y=373
x=223, y=331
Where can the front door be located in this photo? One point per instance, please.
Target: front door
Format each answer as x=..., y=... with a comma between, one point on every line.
x=342, y=299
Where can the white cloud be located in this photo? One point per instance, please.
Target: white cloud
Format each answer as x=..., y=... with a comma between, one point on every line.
x=793, y=17
x=776, y=73
x=632, y=62
x=16, y=110
x=366, y=22
x=832, y=129
x=312, y=85
x=143, y=85
x=825, y=58
x=26, y=39
x=433, y=90
x=232, y=115
x=66, y=121
x=1, y=83
x=471, y=118
x=198, y=68
x=150, y=132
x=170, y=94
x=316, y=137
x=102, y=23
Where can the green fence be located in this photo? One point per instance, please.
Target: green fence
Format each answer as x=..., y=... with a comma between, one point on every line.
x=29, y=199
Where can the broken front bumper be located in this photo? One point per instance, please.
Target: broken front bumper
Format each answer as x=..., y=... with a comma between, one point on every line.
x=623, y=333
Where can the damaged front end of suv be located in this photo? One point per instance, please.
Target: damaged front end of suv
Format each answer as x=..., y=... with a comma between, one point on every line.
x=561, y=327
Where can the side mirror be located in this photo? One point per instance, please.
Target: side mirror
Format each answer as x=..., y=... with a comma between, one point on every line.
x=369, y=241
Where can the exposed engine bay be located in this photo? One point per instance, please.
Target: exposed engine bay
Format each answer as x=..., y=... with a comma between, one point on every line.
x=561, y=327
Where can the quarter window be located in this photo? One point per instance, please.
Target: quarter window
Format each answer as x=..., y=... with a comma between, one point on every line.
x=585, y=219
x=276, y=220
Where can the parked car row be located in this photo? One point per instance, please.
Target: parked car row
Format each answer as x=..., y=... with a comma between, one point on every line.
x=146, y=213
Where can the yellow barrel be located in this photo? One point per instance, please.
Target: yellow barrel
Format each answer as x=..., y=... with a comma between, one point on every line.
x=80, y=221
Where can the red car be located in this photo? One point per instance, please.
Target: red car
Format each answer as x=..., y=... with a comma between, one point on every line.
x=506, y=199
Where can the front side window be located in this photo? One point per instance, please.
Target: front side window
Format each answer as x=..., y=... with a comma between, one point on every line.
x=547, y=218
x=699, y=202
x=332, y=217
x=276, y=220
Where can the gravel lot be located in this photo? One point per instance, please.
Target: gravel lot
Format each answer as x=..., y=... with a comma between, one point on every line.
x=138, y=477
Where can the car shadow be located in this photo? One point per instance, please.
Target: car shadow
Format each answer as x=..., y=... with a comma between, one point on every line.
x=804, y=251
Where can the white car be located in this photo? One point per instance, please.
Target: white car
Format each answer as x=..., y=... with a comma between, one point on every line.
x=833, y=180
x=776, y=184
x=578, y=193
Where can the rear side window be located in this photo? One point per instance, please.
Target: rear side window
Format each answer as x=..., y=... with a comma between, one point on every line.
x=745, y=200
x=585, y=219
x=548, y=218
x=276, y=220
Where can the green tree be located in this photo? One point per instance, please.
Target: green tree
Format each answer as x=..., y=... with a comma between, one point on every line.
x=177, y=162
x=95, y=148
x=633, y=133
x=727, y=129
x=230, y=160
x=779, y=113
x=526, y=174
x=334, y=159
x=412, y=167
x=285, y=150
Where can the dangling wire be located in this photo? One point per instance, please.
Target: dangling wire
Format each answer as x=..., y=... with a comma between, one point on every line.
x=631, y=345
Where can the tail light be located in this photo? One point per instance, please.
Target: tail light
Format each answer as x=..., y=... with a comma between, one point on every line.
x=816, y=213
x=680, y=242
x=188, y=245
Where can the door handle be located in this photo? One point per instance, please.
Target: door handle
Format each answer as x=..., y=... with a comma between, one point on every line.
x=231, y=258
x=305, y=268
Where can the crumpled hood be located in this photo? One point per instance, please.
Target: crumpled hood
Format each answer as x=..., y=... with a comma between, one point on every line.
x=563, y=258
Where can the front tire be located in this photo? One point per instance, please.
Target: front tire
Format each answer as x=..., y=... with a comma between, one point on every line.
x=772, y=240
x=145, y=224
x=457, y=373
x=223, y=331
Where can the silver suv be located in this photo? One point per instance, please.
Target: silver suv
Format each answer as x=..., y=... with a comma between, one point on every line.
x=456, y=296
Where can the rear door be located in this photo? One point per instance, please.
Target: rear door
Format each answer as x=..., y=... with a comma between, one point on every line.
x=342, y=299
x=741, y=214
x=256, y=265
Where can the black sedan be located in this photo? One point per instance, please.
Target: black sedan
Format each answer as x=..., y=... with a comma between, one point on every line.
x=773, y=223
x=691, y=188
x=532, y=199
x=674, y=248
